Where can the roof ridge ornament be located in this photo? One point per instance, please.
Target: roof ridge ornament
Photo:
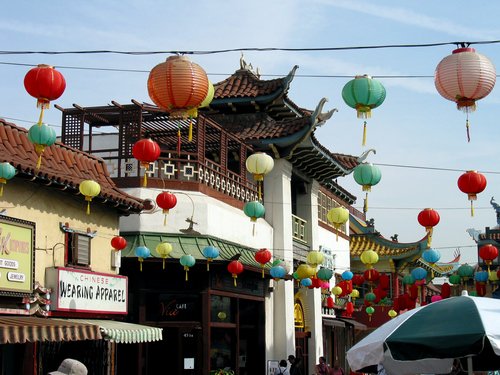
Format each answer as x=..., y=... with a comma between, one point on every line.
x=364, y=155
x=248, y=67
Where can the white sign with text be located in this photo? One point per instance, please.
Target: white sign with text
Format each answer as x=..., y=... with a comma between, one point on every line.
x=85, y=291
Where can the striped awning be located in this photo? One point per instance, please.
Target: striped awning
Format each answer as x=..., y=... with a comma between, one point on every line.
x=123, y=332
x=21, y=329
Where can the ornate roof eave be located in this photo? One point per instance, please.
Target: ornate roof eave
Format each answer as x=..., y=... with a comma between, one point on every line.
x=440, y=269
x=261, y=99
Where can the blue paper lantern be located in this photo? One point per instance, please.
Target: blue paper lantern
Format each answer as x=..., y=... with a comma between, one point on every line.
x=277, y=272
x=142, y=252
x=419, y=273
x=481, y=276
x=347, y=275
x=306, y=282
x=210, y=252
x=431, y=256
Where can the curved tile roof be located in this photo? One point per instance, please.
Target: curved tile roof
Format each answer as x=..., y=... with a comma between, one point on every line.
x=62, y=167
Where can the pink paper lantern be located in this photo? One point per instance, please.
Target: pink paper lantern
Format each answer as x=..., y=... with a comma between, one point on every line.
x=464, y=77
x=436, y=298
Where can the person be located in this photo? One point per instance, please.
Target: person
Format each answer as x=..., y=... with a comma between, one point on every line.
x=322, y=367
x=282, y=369
x=336, y=369
x=295, y=365
x=70, y=367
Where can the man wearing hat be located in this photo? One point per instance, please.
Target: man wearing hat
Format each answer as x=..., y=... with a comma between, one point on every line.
x=70, y=367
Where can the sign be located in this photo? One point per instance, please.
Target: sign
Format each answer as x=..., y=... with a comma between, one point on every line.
x=17, y=259
x=273, y=366
x=173, y=307
x=85, y=291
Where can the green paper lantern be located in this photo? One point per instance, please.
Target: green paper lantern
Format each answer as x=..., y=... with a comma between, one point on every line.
x=408, y=280
x=42, y=136
x=370, y=297
x=455, y=279
x=465, y=271
x=367, y=175
x=254, y=210
x=7, y=171
x=188, y=261
x=363, y=93
x=324, y=274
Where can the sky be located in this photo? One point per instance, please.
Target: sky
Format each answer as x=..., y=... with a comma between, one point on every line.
x=419, y=137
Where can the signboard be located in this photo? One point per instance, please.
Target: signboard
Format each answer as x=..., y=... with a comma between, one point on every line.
x=85, y=291
x=171, y=307
x=17, y=259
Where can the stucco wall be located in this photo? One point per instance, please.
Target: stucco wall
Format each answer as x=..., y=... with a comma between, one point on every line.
x=48, y=208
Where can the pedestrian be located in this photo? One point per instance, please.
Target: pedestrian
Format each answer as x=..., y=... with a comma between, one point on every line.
x=70, y=367
x=282, y=369
x=336, y=369
x=295, y=365
x=322, y=367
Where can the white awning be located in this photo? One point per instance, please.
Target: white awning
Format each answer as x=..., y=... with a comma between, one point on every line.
x=122, y=332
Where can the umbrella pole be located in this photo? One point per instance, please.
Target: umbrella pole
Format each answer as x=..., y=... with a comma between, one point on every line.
x=469, y=366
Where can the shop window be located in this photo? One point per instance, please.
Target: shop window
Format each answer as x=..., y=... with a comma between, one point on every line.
x=221, y=310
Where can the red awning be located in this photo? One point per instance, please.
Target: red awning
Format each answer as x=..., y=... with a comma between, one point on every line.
x=21, y=329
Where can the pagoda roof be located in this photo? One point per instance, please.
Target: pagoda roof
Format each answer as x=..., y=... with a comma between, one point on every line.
x=62, y=168
x=365, y=237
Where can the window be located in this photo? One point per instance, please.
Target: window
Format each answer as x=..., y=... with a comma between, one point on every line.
x=78, y=249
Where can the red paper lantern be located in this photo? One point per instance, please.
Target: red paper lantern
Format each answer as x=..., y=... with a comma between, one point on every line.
x=428, y=218
x=445, y=290
x=235, y=267
x=329, y=302
x=166, y=201
x=45, y=84
x=472, y=183
x=371, y=275
x=488, y=253
x=464, y=77
x=349, y=309
x=146, y=151
x=358, y=280
x=118, y=243
x=262, y=257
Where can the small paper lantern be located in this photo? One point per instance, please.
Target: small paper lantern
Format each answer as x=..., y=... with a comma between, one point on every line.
x=307, y=282
x=89, y=189
x=419, y=273
x=164, y=249
x=146, y=151
x=363, y=93
x=187, y=261
x=336, y=290
x=277, y=272
x=210, y=252
x=455, y=279
x=259, y=164
x=347, y=275
x=315, y=258
x=369, y=258
x=166, y=201
x=358, y=280
x=354, y=294
x=349, y=309
x=305, y=270
x=42, y=136
x=254, y=210
x=118, y=243
x=262, y=257
x=235, y=267
x=142, y=252
x=465, y=271
x=371, y=275
x=488, y=253
x=338, y=216
x=481, y=276
x=471, y=183
x=464, y=77
x=367, y=175
x=324, y=274
x=431, y=256
x=370, y=297
x=370, y=310
x=428, y=218
x=392, y=313
x=7, y=171
x=330, y=304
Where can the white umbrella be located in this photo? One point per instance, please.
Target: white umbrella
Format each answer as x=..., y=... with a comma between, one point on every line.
x=427, y=339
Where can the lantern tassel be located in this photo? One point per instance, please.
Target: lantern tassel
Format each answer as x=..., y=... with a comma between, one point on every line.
x=365, y=204
x=234, y=280
x=40, y=119
x=179, y=142
x=471, y=208
x=253, y=230
x=190, y=134
x=163, y=263
x=187, y=270
x=262, y=266
x=88, y=208
x=467, y=127
x=364, y=134
x=430, y=238
x=39, y=162
x=259, y=189
x=1, y=190
x=140, y=264
x=165, y=220
x=208, y=264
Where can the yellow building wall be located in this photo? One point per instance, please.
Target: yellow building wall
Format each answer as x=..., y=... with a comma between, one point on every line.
x=48, y=207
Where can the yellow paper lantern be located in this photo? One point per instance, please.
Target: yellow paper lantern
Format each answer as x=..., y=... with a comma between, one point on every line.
x=315, y=258
x=337, y=291
x=354, y=294
x=338, y=216
x=89, y=189
x=392, y=313
x=305, y=270
x=259, y=164
x=164, y=249
x=369, y=258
